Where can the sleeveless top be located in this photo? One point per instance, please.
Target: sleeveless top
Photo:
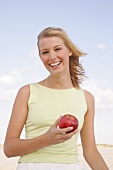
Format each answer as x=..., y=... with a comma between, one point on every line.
x=45, y=106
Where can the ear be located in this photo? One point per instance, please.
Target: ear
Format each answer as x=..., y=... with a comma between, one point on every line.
x=70, y=53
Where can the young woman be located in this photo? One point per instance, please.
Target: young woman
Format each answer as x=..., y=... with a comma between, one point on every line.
x=39, y=106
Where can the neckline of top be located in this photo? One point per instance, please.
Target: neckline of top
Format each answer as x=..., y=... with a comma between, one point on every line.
x=47, y=88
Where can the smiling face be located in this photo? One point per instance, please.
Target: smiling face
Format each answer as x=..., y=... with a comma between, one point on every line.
x=54, y=55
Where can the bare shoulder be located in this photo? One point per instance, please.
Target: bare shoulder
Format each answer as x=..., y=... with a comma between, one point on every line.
x=23, y=94
x=89, y=98
x=88, y=95
x=24, y=90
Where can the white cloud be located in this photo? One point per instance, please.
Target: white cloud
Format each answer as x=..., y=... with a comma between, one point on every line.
x=102, y=46
x=6, y=79
x=8, y=85
x=102, y=92
x=10, y=78
x=14, y=79
x=33, y=53
x=7, y=95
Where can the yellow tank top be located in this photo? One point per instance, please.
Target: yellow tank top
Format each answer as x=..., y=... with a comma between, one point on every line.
x=46, y=105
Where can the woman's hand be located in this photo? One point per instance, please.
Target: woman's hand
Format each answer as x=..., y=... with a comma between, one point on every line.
x=55, y=135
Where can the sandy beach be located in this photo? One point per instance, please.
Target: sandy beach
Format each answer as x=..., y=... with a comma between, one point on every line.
x=105, y=150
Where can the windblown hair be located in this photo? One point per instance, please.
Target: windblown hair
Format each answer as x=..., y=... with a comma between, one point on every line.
x=77, y=72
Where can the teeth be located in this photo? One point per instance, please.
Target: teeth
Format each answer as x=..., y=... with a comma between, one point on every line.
x=55, y=64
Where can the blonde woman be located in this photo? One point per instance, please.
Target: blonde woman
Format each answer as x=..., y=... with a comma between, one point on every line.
x=39, y=106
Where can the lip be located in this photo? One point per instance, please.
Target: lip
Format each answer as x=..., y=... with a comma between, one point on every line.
x=53, y=64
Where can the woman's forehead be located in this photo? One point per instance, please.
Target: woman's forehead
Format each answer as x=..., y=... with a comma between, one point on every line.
x=50, y=41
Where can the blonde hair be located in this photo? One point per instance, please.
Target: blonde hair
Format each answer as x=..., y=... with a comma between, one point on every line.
x=77, y=72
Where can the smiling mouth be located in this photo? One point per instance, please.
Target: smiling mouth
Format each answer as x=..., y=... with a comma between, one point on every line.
x=55, y=64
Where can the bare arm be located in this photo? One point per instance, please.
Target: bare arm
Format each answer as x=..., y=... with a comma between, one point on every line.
x=90, y=152
x=13, y=145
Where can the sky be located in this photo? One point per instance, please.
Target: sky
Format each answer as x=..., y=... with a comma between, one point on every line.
x=88, y=24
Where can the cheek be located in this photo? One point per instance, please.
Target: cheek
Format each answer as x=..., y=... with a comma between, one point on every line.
x=44, y=60
x=65, y=53
x=65, y=56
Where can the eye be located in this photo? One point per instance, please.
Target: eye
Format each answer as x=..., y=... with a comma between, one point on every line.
x=45, y=52
x=57, y=49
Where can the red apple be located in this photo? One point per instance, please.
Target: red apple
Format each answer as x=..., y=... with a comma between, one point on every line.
x=68, y=120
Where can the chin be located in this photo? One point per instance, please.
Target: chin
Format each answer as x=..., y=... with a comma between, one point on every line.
x=58, y=71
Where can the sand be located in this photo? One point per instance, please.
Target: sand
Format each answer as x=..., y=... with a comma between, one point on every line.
x=105, y=150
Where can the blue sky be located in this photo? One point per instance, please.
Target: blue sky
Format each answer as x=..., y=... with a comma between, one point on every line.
x=89, y=25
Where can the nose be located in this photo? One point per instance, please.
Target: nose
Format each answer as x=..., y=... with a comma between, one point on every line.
x=52, y=55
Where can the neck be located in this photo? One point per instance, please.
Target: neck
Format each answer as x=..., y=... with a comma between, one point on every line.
x=58, y=82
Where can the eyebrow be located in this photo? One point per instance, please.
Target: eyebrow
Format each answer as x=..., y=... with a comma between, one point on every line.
x=54, y=47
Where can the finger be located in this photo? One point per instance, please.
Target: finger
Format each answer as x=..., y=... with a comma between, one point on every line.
x=68, y=135
x=73, y=132
x=66, y=130
x=57, y=122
